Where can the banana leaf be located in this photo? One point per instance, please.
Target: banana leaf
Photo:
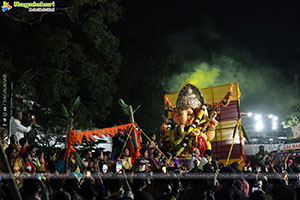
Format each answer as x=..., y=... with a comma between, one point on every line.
x=65, y=111
x=76, y=104
x=124, y=106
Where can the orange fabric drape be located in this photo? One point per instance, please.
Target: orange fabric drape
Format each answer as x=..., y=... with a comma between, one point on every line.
x=76, y=137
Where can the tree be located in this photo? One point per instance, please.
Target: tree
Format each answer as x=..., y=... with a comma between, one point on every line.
x=55, y=57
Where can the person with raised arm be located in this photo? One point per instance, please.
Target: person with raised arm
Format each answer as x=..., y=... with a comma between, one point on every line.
x=17, y=128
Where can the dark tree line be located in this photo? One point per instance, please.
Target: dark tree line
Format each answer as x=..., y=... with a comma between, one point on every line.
x=53, y=58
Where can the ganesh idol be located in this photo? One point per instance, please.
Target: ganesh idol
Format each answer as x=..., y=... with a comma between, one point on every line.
x=190, y=125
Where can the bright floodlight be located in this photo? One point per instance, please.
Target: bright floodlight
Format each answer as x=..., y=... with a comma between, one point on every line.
x=275, y=118
x=274, y=127
x=249, y=114
x=259, y=126
x=258, y=117
x=274, y=123
x=270, y=116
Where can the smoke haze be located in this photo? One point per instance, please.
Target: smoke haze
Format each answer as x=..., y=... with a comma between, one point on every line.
x=265, y=88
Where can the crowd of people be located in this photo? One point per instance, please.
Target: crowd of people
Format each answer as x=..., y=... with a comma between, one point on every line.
x=44, y=174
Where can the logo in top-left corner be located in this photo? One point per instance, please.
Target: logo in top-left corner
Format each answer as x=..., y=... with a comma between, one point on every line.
x=6, y=6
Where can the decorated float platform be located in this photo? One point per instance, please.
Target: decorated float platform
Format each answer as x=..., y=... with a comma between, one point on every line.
x=228, y=142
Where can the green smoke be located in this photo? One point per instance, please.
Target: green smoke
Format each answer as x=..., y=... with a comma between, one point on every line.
x=201, y=76
x=265, y=89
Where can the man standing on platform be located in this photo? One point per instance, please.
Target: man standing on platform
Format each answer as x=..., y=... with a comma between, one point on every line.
x=17, y=128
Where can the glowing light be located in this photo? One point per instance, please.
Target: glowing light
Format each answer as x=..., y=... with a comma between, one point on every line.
x=249, y=114
x=274, y=127
x=270, y=116
x=275, y=118
x=258, y=117
x=259, y=126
